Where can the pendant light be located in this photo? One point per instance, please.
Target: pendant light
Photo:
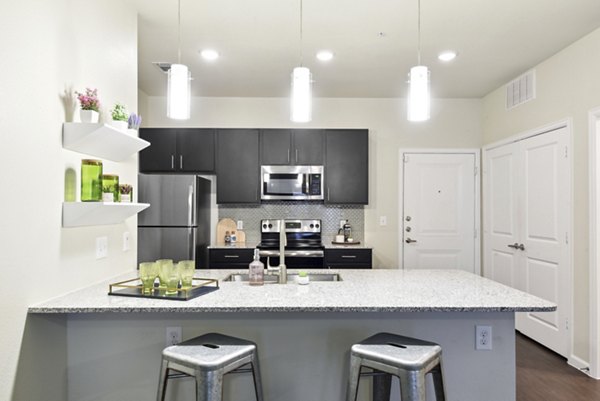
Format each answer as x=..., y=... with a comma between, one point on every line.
x=178, y=92
x=301, y=107
x=418, y=96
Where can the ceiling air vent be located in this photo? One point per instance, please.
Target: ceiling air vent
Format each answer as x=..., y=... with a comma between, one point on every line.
x=520, y=90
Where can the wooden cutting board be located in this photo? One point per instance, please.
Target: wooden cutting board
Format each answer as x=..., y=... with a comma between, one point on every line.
x=229, y=225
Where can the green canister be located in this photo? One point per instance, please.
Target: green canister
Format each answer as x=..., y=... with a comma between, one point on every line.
x=110, y=186
x=91, y=180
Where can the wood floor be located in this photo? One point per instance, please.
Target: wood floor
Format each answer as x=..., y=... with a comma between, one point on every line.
x=543, y=375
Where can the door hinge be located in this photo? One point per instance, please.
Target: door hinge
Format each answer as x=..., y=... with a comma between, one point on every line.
x=405, y=158
x=566, y=238
x=566, y=152
x=567, y=324
x=475, y=233
x=476, y=170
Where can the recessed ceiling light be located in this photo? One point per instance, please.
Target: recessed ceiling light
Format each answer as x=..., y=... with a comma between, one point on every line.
x=324, y=55
x=447, y=55
x=209, y=54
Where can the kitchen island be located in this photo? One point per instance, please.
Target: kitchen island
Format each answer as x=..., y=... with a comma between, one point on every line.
x=303, y=332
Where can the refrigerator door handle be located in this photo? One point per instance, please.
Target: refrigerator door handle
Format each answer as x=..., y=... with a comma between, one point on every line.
x=191, y=244
x=191, y=205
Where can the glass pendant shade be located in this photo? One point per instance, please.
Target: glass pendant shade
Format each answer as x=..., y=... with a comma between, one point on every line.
x=178, y=95
x=418, y=97
x=301, y=111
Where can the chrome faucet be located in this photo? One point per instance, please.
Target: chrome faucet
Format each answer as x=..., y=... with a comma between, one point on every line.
x=280, y=270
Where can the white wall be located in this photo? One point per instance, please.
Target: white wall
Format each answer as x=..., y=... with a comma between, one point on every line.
x=454, y=123
x=49, y=47
x=568, y=86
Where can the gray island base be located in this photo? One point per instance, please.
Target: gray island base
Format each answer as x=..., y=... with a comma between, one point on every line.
x=112, y=346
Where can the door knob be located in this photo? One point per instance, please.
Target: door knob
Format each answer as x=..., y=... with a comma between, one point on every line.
x=516, y=245
x=522, y=247
x=407, y=218
x=408, y=240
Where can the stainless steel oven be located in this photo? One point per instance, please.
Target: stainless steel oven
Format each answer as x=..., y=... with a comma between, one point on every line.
x=292, y=182
x=304, y=247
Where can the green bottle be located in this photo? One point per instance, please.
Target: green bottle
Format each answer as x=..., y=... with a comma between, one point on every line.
x=91, y=180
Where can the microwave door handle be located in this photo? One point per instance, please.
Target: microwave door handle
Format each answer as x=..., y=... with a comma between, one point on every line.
x=306, y=183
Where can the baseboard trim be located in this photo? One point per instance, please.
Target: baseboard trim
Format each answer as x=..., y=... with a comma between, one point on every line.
x=580, y=364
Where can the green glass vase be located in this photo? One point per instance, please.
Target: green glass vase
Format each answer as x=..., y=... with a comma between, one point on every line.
x=91, y=180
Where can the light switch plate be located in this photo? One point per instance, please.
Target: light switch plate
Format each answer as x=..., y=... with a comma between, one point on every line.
x=240, y=224
x=126, y=245
x=101, y=247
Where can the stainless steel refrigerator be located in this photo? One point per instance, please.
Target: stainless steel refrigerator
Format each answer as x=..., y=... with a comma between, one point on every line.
x=177, y=223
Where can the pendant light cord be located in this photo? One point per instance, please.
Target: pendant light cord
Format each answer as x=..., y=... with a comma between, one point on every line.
x=301, y=50
x=179, y=32
x=419, y=33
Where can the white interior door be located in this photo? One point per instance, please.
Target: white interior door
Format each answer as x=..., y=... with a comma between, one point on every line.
x=439, y=211
x=501, y=219
x=526, y=224
x=544, y=235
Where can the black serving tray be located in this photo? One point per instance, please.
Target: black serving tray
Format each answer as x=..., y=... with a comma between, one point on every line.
x=133, y=288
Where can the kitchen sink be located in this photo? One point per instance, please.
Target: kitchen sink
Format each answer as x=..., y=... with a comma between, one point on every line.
x=273, y=279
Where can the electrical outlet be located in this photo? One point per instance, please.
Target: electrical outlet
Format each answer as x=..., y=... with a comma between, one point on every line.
x=240, y=224
x=101, y=247
x=483, y=338
x=126, y=246
x=173, y=335
x=383, y=220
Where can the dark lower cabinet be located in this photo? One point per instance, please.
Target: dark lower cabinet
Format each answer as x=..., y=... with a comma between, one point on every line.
x=347, y=166
x=219, y=258
x=348, y=258
x=238, y=168
x=182, y=150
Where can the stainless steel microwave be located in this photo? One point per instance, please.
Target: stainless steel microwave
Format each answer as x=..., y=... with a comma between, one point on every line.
x=291, y=182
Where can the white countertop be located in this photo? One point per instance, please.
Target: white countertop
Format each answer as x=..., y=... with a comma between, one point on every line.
x=378, y=290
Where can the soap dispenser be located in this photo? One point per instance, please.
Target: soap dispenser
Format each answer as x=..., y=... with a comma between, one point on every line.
x=256, y=271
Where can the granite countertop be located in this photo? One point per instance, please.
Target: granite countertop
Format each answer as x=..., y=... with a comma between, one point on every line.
x=379, y=290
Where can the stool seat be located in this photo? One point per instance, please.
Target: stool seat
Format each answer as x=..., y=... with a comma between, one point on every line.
x=409, y=359
x=208, y=358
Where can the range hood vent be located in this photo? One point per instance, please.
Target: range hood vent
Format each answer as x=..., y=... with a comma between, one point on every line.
x=520, y=90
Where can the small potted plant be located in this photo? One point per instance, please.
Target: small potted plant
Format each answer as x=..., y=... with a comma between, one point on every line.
x=126, y=192
x=119, y=117
x=133, y=123
x=90, y=105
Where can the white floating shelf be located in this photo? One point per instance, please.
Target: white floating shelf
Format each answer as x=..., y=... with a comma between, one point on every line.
x=78, y=214
x=101, y=140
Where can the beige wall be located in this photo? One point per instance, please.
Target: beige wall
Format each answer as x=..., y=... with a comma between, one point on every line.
x=568, y=86
x=454, y=123
x=48, y=46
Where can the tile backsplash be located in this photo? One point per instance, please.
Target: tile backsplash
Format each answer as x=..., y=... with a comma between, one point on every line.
x=330, y=216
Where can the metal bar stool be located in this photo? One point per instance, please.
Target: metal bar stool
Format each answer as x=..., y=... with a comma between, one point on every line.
x=409, y=359
x=208, y=358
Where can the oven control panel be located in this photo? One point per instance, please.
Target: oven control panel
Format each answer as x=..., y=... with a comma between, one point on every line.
x=291, y=226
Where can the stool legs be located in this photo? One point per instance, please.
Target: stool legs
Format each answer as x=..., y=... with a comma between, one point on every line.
x=162, y=381
x=209, y=386
x=382, y=385
x=438, y=383
x=412, y=386
x=353, y=378
x=258, y=390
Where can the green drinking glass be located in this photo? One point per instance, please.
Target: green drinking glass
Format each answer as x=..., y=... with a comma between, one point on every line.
x=173, y=277
x=164, y=266
x=186, y=272
x=148, y=272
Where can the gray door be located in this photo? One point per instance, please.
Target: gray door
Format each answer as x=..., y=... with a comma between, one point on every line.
x=177, y=243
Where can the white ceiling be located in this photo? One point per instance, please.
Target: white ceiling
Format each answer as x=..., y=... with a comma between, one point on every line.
x=374, y=42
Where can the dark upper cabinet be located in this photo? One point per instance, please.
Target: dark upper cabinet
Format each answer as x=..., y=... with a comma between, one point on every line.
x=178, y=150
x=238, y=166
x=291, y=147
x=347, y=166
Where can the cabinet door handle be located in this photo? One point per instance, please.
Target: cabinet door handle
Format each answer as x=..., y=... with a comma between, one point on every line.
x=172, y=162
x=327, y=193
x=288, y=156
x=349, y=256
x=181, y=162
x=232, y=256
x=296, y=155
